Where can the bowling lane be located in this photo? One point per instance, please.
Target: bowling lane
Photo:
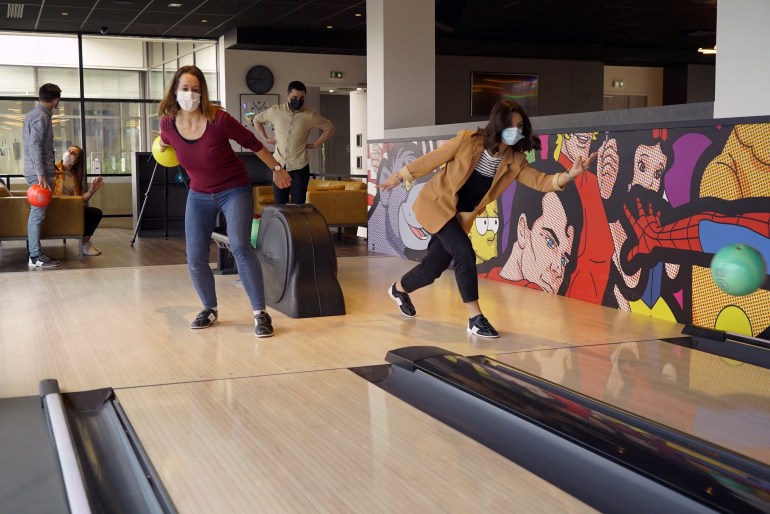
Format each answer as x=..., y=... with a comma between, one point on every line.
x=325, y=441
x=713, y=398
x=128, y=327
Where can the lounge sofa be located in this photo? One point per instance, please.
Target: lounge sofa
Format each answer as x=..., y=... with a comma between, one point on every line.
x=63, y=219
x=342, y=203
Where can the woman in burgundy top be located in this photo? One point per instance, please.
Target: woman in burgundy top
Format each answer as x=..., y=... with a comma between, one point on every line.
x=200, y=133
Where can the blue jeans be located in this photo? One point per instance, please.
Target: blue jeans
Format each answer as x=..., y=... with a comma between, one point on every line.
x=35, y=221
x=237, y=205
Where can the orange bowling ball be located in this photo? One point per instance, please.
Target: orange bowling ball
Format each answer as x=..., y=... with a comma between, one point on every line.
x=39, y=196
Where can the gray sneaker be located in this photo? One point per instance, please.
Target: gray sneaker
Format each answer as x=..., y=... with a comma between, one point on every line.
x=43, y=261
x=204, y=319
x=264, y=325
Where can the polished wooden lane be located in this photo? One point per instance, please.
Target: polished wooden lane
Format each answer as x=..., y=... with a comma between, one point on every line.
x=146, y=251
x=323, y=441
x=232, y=422
x=128, y=327
x=720, y=400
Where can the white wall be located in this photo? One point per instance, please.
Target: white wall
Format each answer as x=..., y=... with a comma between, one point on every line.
x=743, y=54
x=311, y=69
x=358, y=126
x=636, y=81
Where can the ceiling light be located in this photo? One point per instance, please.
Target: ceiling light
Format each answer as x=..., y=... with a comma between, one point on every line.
x=708, y=51
x=175, y=5
x=15, y=11
x=65, y=14
x=358, y=14
x=204, y=21
x=331, y=91
x=330, y=26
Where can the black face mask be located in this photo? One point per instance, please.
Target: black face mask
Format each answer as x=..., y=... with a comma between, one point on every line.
x=296, y=103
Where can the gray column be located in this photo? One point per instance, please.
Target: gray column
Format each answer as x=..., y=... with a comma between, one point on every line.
x=401, y=64
x=743, y=59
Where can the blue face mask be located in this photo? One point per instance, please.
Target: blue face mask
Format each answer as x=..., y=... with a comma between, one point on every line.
x=512, y=135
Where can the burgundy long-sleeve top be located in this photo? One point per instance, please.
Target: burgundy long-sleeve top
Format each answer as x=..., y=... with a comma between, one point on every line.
x=210, y=161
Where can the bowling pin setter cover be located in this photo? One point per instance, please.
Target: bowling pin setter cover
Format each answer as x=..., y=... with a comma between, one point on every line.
x=299, y=264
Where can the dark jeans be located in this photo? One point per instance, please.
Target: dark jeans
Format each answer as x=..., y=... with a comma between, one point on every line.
x=299, y=180
x=92, y=217
x=451, y=242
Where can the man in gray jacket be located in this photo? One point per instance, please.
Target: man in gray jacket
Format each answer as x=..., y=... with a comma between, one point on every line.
x=37, y=137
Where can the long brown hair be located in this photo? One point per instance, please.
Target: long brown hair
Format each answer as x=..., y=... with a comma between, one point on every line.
x=169, y=107
x=499, y=120
x=78, y=170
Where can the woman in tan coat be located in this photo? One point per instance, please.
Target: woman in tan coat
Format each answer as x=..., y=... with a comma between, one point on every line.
x=479, y=167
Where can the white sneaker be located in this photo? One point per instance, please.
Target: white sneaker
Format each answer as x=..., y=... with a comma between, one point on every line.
x=91, y=250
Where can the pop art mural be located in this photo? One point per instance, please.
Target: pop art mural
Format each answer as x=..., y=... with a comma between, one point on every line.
x=637, y=232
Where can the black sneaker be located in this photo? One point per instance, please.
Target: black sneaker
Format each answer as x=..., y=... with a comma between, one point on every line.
x=205, y=319
x=264, y=326
x=43, y=261
x=403, y=301
x=480, y=326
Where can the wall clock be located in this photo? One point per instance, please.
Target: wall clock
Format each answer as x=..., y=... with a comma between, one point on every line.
x=259, y=79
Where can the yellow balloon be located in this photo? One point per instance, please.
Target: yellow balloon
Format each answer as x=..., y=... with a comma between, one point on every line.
x=165, y=158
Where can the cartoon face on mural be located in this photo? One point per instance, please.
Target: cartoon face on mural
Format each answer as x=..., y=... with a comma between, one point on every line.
x=411, y=231
x=483, y=233
x=649, y=165
x=577, y=145
x=543, y=247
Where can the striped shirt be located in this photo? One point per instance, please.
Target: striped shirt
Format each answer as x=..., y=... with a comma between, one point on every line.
x=487, y=165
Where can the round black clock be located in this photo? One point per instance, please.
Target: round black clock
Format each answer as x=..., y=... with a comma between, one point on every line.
x=259, y=79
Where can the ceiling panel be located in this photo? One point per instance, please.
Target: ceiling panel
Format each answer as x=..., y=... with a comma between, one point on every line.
x=634, y=32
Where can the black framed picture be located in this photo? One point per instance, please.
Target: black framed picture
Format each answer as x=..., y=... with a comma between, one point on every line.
x=489, y=87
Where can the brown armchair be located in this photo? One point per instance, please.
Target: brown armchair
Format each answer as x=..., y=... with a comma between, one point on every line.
x=63, y=218
x=343, y=203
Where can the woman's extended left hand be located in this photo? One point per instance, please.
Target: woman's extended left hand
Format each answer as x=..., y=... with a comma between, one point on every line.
x=581, y=165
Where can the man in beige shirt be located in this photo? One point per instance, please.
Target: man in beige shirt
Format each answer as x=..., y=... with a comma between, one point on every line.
x=293, y=122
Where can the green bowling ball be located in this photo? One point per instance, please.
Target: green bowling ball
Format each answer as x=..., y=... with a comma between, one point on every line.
x=738, y=269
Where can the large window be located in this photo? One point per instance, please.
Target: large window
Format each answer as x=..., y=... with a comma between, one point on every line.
x=123, y=81
x=129, y=74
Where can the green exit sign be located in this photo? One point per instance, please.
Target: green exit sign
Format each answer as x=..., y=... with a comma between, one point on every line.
x=335, y=74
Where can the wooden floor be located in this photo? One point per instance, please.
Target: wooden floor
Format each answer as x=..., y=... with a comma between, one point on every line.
x=238, y=424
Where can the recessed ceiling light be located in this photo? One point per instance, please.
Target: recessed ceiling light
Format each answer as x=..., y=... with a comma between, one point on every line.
x=358, y=14
x=175, y=5
x=330, y=26
x=204, y=21
x=65, y=14
x=331, y=91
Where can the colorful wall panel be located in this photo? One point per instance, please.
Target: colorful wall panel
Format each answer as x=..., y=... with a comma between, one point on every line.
x=637, y=232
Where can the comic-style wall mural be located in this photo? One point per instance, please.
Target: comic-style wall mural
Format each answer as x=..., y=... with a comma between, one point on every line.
x=637, y=232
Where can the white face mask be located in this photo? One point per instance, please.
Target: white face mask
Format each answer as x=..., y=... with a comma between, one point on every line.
x=188, y=100
x=68, y=159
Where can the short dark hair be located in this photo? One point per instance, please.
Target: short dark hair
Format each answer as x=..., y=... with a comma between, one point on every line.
x=296, y=85
x=49, y=92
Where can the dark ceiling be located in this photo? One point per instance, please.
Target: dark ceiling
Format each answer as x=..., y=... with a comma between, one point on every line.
x=619, y=32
